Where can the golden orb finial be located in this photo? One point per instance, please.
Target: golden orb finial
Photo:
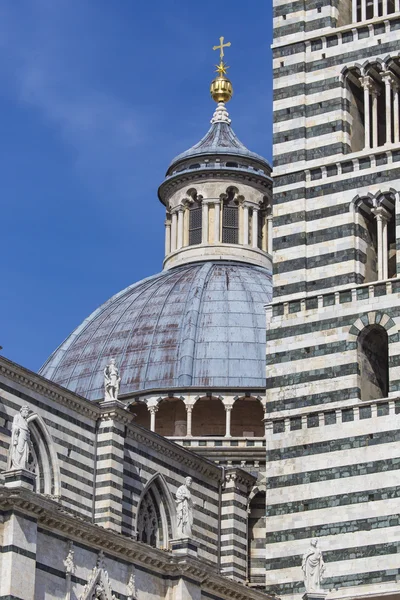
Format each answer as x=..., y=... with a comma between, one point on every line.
x=221, y=88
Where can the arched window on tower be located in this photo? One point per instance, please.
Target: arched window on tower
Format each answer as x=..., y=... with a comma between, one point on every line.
x=230, y=219
x=373, y=104
x=371, y=9
x=376, y=235
x=373, y=362
x=195, y=223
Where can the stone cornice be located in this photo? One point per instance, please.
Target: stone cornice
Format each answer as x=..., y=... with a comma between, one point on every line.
x=257, y=180
x=36, y=383
x=239, y=477
x=52, y=517
x=171, y=450
x=115, y=410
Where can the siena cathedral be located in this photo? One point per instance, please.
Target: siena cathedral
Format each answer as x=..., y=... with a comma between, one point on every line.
x=229, y=429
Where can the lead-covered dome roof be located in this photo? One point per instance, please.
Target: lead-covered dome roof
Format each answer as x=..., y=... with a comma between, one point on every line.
x=200, y=325
x=219, y=139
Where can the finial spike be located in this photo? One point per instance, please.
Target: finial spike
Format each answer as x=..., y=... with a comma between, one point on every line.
x=221, y=115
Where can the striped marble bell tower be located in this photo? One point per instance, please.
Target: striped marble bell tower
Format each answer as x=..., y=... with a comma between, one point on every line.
x=333, y=351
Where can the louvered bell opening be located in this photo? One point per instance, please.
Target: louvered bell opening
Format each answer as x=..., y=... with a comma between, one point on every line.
x=230, y=224
x=195, y=225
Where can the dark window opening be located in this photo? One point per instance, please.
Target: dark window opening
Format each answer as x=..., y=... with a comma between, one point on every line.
x=195, y=224
x=230, y=221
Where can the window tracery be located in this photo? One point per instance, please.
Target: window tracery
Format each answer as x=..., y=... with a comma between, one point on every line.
x=374, y=103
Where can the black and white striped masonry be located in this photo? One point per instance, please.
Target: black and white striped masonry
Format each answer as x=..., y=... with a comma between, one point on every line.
x=333, y=350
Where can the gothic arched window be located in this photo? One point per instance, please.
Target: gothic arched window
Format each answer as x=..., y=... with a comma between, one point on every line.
x=154, y=521
x=195, y=223
x=373, y=362
x=148, y=527
x=230, y=221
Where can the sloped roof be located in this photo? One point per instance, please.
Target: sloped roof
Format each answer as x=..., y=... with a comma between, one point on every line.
x=201, y=324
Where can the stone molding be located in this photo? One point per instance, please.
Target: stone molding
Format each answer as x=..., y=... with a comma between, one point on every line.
x=48, y=389
x=51, y=516
x=261, y=182
x=172, y=450
x=240, y=477
x=115, y=410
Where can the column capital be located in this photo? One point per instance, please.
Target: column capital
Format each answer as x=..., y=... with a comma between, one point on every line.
x=389, y=78
x=381, y=213
x=368, y=83
x=152, y=409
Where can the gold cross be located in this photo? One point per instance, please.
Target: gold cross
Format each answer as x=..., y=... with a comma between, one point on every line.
x=221, y=47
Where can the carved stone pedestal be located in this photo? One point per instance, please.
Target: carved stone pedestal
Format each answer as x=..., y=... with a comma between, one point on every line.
x=184, y=547
x=319, y=595
x=19, y=478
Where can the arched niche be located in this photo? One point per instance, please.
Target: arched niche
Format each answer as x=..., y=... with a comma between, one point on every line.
x=247, y=418
x=208, y=417
x=171, y=417
x=155, y=517
x=373, y=362
x=256, y=532
x=48, y=480
x=141, y=411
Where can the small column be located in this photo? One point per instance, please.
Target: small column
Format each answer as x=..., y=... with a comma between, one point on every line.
x=376, y=8
x=366, y=83
x=189, y=411
x=269, y=226
x=167, y=237
x=382, y=217
x=264, y=233
x=204, y=223
x=387, y=78
x=354, y=11
x=152, y=411
x=396, y=107
x=180, y=228
x=245, y=240
x=228, y=411
x=379, y=226
x=217, y=221
x=385, y=7
x=174, y=220
x=396, y=5
x=375, y=94
x=363, y=10
x=254, y=228
x=385, y=253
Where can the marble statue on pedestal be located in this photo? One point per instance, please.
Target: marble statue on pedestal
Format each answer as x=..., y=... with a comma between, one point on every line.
x=184, y=509
x=21, y=444
x=111, y=381
x=313, y=567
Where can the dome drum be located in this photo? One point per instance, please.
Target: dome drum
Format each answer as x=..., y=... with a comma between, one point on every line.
x=190, y=254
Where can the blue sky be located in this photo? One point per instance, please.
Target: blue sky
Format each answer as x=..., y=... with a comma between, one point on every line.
x=96, y=98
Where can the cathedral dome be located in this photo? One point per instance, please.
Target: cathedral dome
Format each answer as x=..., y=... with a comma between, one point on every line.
x=198, y=325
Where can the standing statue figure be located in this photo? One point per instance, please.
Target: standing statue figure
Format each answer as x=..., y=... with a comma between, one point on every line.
x=184, y=509
x=111, y=381
x=20, y=440
x=313, y=567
